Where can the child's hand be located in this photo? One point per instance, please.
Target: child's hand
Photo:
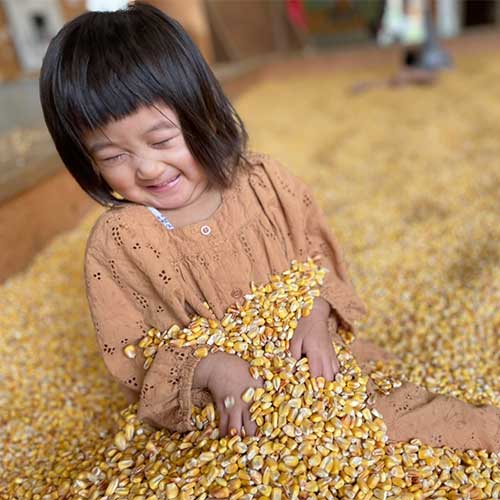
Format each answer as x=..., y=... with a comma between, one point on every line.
x=313, y=339
x=227, y=376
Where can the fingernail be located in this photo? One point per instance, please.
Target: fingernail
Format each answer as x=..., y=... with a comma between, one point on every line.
x=229, y=402
x=233, y=431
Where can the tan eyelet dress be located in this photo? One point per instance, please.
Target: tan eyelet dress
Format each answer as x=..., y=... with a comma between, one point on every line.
x=139, y=274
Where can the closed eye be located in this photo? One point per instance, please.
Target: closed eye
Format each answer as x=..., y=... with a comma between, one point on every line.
x=114, y=159
x=161, y=143
x=117, y=158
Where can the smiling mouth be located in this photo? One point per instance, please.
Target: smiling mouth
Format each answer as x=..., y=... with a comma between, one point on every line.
x=166, y=183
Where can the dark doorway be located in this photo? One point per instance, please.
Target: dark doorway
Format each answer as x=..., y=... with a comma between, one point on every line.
x=39, y=22
x=478, y=12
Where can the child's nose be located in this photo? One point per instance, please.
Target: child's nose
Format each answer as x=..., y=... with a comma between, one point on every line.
x=147, y=168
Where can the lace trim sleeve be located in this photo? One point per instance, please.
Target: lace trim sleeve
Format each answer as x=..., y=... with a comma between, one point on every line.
x=117, y=322
x=311, y=236
x=121, y=318
x=166, y=393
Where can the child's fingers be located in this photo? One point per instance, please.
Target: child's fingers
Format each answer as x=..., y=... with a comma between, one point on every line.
x=335, y=364
x=223, y=420
x=235, y=420
x=296, y=347
x=315, y=364
x=250, y=425
x=327, y=368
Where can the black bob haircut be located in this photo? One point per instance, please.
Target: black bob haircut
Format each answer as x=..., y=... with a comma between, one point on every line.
x=103, y=66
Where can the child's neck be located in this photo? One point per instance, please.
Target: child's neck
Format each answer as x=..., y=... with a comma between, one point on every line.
x=200, y=209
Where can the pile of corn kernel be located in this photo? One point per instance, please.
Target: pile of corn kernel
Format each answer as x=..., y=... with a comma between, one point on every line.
x=313, y=435
x=19, y=144
x=415, y=205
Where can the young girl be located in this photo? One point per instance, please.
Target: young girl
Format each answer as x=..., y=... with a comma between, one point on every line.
x=144, y=127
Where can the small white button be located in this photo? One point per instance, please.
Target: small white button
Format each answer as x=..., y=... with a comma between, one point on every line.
x=205, y=230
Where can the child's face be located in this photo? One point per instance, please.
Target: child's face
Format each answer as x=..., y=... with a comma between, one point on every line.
x=145, y=159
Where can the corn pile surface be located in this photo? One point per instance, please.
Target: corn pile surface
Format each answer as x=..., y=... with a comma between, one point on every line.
x=410, y=179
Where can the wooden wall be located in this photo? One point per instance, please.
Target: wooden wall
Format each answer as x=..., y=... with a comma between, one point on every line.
x=263, y=28
x=71, y=8
x=192, y=15
x=9, y=65
x=224, y=30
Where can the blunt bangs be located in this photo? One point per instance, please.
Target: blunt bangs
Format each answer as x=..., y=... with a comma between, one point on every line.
x=104, y=66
